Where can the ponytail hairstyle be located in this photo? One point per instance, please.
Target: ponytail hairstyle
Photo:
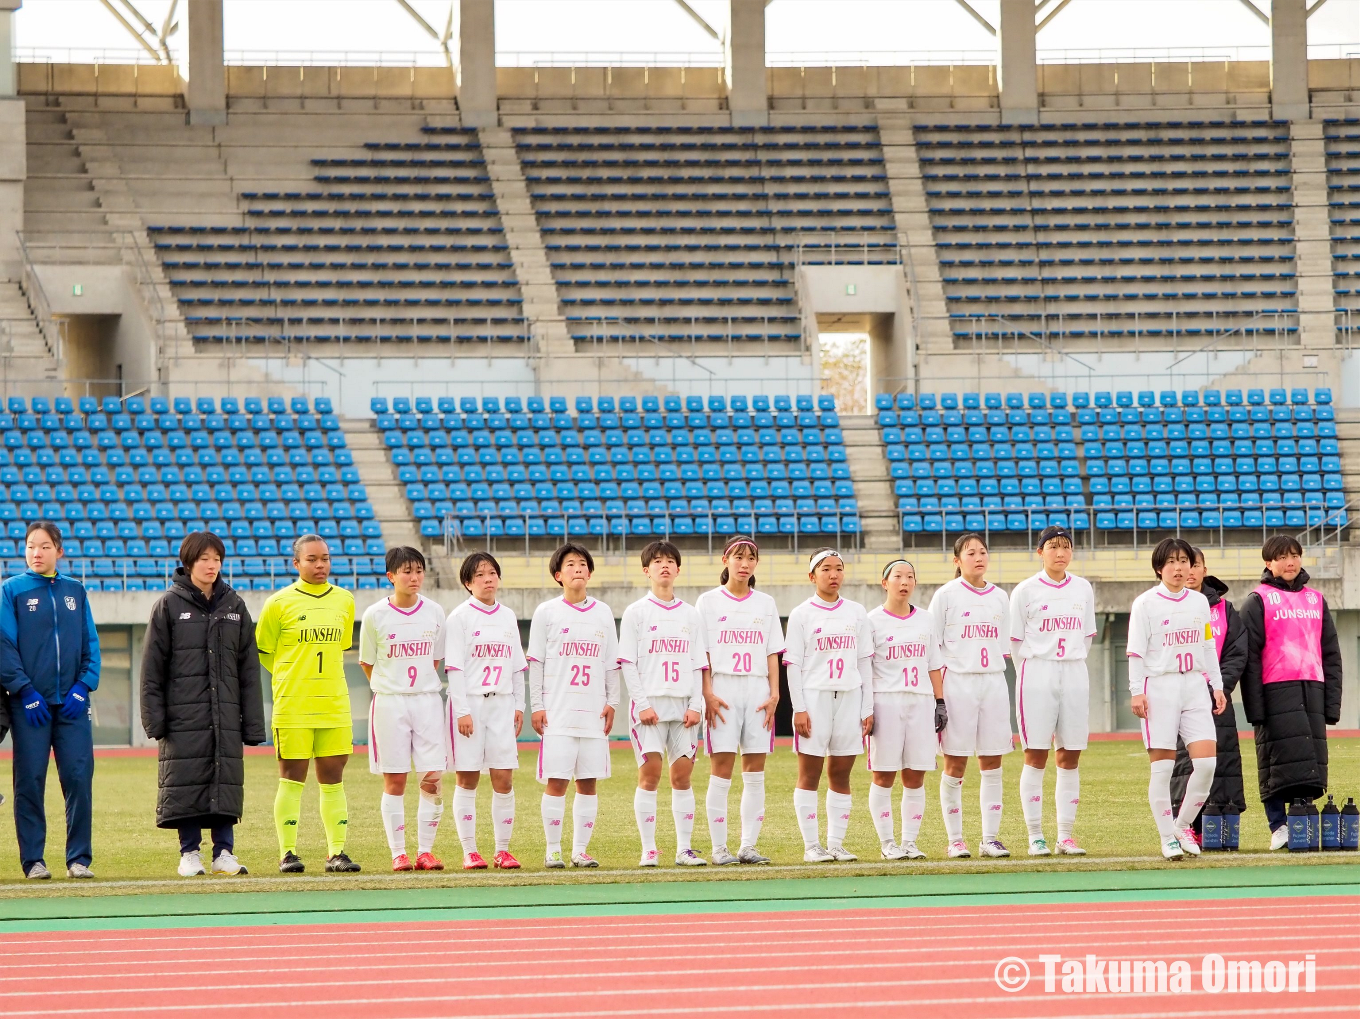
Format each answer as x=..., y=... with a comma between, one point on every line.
x=734, y=542
x=961, y=542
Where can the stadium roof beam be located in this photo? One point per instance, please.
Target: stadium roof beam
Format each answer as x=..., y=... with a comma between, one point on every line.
x=748, y=99
x=443, y=40
x=698, y=18
x=206, y=94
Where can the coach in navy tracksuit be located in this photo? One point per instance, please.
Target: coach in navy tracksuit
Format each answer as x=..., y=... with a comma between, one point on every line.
x=49, y=664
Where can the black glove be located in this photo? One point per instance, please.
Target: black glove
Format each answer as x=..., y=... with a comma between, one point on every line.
x=941, y=716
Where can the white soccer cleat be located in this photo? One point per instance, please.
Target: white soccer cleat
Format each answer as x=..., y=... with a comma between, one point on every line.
x=749, y=854
x=1171, y=849
x=553, y=860
x=816, y=853
x=840, y=854
x=1189, y=842
x=650, y=858
x=584, y=860
x=1069, y=847
x=993, y=848
x=229, y=865
x=892, y=851
x=958, y=850
x=1279, y=838
x=191, y=864
x=722, y=857
x=910, y=851
x=1039, y=847
x=689, y=858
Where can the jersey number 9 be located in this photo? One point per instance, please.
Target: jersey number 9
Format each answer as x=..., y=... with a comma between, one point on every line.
x=411, y=673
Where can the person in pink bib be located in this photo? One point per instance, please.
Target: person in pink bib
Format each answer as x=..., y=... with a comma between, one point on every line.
x=1291, y=686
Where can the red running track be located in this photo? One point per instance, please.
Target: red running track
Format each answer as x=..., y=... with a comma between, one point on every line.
x=919, y=962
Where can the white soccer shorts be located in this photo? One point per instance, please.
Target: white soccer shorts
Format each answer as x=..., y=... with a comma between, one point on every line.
x=743, y=725
x=406, y=730
x=904, y=733
x=1178, y=705
x=1052, y=704
x=492, y=743
x=669, y=739
x=836, y=728
x=577, y=757
x=979, y=708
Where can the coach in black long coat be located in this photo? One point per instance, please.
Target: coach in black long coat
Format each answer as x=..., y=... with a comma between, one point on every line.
x=201, y=700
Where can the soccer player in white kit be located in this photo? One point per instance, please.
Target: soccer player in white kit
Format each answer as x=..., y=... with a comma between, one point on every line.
x=909, y=709
x=972, y=625
x=1176, y=689
x=741, y=693
x=662, y=658
x=573, y=687
x=1053, y=622
x=829, y=650
x=401, y=642
x=486, y=707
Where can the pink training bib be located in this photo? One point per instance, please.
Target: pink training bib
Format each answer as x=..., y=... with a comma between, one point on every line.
x=1218, y=623
x=1293, y=624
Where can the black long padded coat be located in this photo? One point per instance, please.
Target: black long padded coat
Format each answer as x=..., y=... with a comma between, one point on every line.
x=201, y=699
x=1291, y=717
x=1227, y=792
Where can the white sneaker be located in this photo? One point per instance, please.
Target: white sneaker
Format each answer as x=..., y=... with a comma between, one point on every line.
x=650, y=858
x=1279, y=838
x=191, y=864
x=1069, y=847
x=910, y=851
x=689, y=858
x=553, y=859
x=841, y=855
x=1039, y=847
x=892, y=851
x=1189, y=842
x=1171, y=850
x=229, y=865
x=722, y=857
x=816, y=854
x=958, y=850
x=994, y=849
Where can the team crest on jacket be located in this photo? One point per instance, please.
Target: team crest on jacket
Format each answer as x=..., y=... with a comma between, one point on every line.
x=70, y=603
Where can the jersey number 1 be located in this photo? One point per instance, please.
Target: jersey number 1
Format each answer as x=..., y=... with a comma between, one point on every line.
x=320, y=662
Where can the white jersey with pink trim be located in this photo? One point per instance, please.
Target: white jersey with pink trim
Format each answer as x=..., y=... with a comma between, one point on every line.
x=402, y=645
x=1173, y=634
x=742, y=632
x=483, y=644
x=905, y=651
x=666, y=643
x=1051, y=620
x=826, y=641
x=972, y=626
x=579, y=649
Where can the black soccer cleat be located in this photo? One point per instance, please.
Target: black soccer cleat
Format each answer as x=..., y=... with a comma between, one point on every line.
x=290, y=864
x=341, y=864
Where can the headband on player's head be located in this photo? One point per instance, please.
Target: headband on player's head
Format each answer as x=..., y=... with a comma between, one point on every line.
x=888, y=569
x=738, y=542
x=825, y=553
x=1050, y=533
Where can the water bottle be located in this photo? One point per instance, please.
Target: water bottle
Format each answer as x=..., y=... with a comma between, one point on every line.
x=1232, y=829
x=1211, y=828
x=1297, y=820
x=1310, y=811
x=1331, y=826
x=1350, y=825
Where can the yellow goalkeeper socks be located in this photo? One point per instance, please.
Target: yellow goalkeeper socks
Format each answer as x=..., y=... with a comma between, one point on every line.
x=287, y=810
x=334, y=817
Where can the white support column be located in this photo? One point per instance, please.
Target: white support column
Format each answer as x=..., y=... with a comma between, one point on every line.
x=9, y=75
x=13, y=150
x=477, y=100
x=1289, y=60
x=1017, y=67
x=207, y=90
x=747, y=96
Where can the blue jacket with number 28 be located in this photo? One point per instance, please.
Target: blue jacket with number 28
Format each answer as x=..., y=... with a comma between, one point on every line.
x=47, y=636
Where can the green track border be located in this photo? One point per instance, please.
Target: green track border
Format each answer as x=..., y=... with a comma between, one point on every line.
x=679, y=898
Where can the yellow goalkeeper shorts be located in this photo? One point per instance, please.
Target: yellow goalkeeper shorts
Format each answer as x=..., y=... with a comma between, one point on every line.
x=304, y=744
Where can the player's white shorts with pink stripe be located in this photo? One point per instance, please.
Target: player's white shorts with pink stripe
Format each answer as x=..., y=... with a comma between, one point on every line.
x=979, y=706
x=1052, y=704
x=904, y=733
x=670, y=739
x=406, y=730
x=492, y=743
x=1178, y=705
x=573, y=757
x=743, y=723
x=836, y=725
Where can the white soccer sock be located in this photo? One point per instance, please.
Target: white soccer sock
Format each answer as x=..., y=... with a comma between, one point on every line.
x=583, y=811
x=1197, y=789
x=837, y=817
x=805, y=806
x=989, y=798
x=644, y=812
x=1159, y=797
x=1067, y=794
x=394, y=822
x=752, y=806
x=913, y=812
x=428, y=813
x=951, y=806
x=554, y=808
x=682, y=812
x=465, y=817
x=503, y=818
x=715, y=803
x=1032, y=800
x=880, y=809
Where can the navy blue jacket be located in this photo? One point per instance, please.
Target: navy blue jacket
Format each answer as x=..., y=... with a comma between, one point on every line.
x=47, y=636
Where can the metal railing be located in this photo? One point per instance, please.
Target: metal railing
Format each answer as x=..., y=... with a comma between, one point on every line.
x=53, y=330
x=129, y=569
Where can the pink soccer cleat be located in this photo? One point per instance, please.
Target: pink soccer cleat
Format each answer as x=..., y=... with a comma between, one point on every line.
x=504, y=861
x=428, y=861
x=473, y=861
x=401, y=863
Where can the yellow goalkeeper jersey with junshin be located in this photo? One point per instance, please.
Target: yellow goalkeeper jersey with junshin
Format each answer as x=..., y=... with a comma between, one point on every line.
x=302, y=635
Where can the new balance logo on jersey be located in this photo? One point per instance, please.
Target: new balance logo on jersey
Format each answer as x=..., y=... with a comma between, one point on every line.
x=1051, y=623
x=976, y=631
x=904, y=651
x=579, y=649
x=669, y=646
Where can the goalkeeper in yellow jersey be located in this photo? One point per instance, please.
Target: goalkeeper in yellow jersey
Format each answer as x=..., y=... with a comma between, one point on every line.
x=303, y=633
